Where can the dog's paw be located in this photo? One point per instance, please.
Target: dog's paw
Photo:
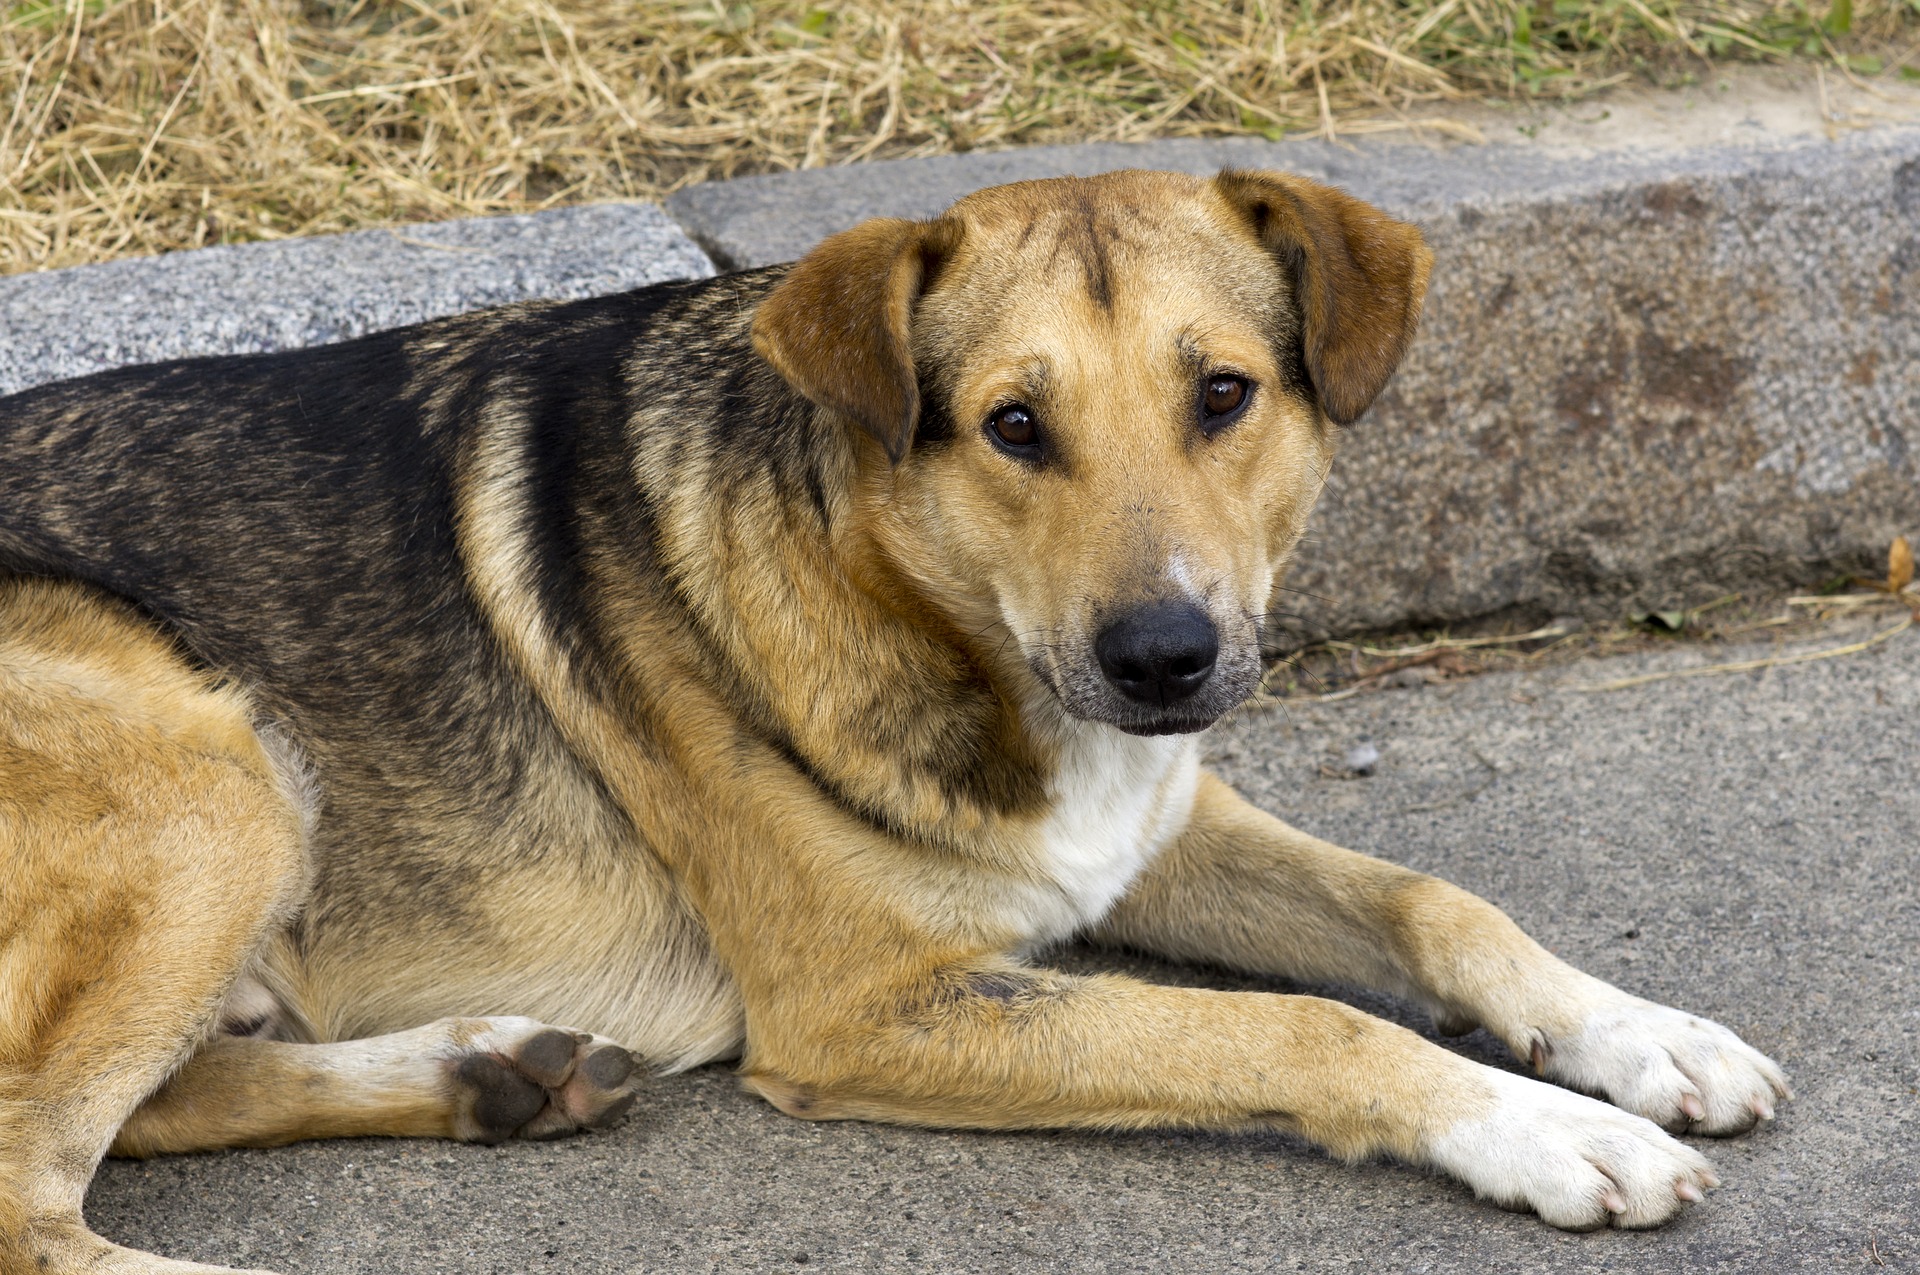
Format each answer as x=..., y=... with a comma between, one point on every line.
x=1577, y=1162
x=1683, y=1072
x=517, y=1078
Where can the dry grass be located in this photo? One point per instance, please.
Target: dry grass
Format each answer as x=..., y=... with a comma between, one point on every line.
x=139, y=126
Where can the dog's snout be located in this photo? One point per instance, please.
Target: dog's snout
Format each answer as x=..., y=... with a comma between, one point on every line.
x=1159, y=654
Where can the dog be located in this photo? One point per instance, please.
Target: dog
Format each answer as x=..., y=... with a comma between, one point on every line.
x=405, y=736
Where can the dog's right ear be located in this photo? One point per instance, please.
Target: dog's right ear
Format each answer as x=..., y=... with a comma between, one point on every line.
x=839, y=326
x=1359, y=276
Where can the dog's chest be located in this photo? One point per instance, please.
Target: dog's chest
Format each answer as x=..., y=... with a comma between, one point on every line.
x=1117, y=801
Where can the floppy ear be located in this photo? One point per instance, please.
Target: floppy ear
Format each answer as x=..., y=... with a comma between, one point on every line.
x=1359, y=275
x=838, y=326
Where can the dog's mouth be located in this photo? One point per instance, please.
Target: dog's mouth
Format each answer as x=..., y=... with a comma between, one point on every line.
x=1169, y=726
x=1085, y=694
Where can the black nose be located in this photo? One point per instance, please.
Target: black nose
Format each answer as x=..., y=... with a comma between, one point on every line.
x=1160, y=654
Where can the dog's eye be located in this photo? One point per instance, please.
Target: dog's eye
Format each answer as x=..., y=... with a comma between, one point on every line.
x=1015, y=429
x=1222, y=397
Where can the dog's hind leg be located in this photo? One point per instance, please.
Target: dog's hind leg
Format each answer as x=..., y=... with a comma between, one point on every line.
x=472, y=1079
x=149, y=841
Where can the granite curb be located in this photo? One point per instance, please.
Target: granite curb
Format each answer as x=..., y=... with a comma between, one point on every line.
x=1643, y=380
x=258, y=297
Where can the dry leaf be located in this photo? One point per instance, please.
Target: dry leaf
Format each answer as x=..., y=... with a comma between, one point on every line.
x=1899, y=565
x=1899, y=569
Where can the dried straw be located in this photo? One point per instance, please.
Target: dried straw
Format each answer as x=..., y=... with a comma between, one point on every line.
x=140, y=126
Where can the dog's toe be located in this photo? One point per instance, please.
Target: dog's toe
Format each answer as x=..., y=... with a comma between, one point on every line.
x=1578, y=1163
x=517, y=1078
x=1683, y=1072
x=597, y=1094
x=497, y=1101
x=546, y=1058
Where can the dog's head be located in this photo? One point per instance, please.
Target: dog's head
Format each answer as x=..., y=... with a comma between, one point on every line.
x=1097, y=411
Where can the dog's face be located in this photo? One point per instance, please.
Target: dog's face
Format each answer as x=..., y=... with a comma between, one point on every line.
x=1106, y=408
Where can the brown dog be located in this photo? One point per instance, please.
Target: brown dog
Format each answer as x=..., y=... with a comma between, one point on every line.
x=758, y=667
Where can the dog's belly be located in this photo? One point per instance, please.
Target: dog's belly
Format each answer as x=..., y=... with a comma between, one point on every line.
x=1118, y=801
x=650, y=982
x=566, y=921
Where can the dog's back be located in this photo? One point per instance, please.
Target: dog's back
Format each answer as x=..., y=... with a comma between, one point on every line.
x=277, y=509
x=295, y=521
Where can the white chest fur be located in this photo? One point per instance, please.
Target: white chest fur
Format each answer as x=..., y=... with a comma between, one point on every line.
x=1117, y=801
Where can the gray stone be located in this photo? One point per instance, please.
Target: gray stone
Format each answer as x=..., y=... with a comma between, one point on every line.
x=755, y=221
x=1741, y=846
x=247, y=298
x=1644, y=378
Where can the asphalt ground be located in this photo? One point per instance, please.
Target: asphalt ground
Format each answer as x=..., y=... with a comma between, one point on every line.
x=1743, y=846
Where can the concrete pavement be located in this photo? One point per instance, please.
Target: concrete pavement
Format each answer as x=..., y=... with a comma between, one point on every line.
x=1747, y=847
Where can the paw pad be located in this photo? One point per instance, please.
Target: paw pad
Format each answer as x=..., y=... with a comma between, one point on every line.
x=540, y=1082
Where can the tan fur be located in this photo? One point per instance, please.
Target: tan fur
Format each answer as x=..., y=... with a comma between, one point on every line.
x=150, y=843
x=829, y=771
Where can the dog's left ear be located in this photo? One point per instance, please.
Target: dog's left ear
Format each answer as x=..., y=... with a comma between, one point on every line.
x=1359, y=274
x=838, y=327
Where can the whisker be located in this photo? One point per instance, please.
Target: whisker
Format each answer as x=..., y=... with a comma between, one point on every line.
x=1302, y=671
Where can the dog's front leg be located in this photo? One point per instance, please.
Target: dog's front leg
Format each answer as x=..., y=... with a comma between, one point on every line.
x=987, y=1044
x=1243, y=889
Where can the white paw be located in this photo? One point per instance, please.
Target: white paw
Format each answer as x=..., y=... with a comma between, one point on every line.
x=1575, y=1161
x=1680, y=1071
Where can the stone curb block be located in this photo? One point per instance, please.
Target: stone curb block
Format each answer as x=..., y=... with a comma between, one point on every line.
x=249, y=298
x=1642, y=380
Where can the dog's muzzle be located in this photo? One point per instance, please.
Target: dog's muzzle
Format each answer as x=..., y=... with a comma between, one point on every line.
x=1161, y=668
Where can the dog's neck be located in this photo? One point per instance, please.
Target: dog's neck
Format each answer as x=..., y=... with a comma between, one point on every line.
x=760, y=584
x=726, y=577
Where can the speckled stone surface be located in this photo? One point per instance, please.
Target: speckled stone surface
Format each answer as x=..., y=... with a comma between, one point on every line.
x=1746, y=847
x=249, y=298
x=1645, y=377
x=1645, y=391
